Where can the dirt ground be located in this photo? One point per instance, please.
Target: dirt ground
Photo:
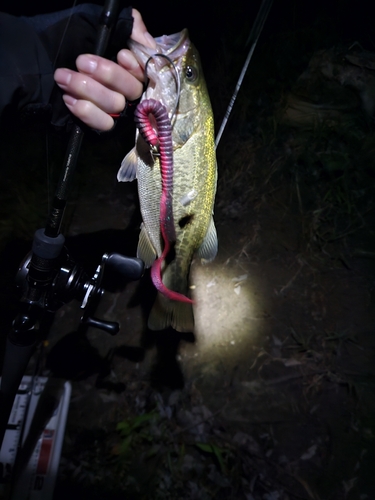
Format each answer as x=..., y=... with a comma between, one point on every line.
x=272, y=396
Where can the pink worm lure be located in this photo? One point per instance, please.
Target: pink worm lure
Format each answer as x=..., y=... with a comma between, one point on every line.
x=163, y=139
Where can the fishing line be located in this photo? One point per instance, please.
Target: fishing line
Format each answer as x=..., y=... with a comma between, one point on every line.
x=39, y=364
x=254, y=35
x=49, y=173
x=64, y=33
x=178, y=80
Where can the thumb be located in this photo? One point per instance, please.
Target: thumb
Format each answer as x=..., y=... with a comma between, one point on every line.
x=140, y=33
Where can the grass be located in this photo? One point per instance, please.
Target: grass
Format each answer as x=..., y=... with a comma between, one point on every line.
x=324, y=175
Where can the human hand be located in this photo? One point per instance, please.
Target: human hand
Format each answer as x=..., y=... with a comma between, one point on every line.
x=101, y=87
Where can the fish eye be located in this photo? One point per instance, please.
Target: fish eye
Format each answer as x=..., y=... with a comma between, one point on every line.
x=191, y=74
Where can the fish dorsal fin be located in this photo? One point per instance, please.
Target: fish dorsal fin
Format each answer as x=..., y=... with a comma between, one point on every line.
x=145, y=250
x=128, y=169
x=209, y=247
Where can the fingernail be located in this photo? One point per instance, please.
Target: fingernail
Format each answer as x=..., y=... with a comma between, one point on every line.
x=62, y=76
x=86, y=63
x=150, y=40
x=69, y=100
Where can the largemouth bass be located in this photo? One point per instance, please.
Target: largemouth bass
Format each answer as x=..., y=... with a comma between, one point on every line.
x=194, y=176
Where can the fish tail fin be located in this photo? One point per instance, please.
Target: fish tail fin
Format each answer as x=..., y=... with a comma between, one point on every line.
x=166, y=313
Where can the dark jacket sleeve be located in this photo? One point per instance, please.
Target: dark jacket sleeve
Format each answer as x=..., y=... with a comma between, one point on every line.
x=31, y=48
x=26, y=73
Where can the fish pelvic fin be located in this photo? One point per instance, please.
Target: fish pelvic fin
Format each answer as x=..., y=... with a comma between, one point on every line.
x=209, y=247
x=128, y=169
x=145, y=250
x=166, y=313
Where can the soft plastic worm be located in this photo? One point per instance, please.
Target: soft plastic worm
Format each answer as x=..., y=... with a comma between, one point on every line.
x=162, y=138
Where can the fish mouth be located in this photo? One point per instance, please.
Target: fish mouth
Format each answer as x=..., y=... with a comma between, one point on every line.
x=168, y=44
x=163, y=73
x=172, y=46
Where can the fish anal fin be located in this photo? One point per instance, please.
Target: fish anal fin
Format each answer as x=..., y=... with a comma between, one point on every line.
x=209, y=247
x=145, y=250
x=128, y=169
x=166, y=313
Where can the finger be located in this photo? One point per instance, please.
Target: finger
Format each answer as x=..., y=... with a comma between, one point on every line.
x=127, y=60
x=140, y=33
x=88, y=113
x=124, y=78
x=82, y=86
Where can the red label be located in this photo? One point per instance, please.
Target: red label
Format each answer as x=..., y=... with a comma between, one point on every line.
x=45, y=451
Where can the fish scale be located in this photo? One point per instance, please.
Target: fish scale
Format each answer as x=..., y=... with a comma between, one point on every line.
x=194, y=173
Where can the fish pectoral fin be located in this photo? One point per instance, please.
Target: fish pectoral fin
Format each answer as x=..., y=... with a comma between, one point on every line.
x=209, y=247
x=128, y=169
x=145, y=250
x=166, y=313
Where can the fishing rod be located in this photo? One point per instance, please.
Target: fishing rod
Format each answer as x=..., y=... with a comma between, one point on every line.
x=253, y=37
x=48, y=278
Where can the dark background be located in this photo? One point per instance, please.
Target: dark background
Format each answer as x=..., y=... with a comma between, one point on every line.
x=292, y=32
x=211, y=22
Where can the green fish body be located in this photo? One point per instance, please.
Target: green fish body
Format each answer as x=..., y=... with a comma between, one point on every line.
x=194, y=173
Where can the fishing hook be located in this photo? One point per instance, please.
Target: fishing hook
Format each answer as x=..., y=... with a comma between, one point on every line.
x=178, y=80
